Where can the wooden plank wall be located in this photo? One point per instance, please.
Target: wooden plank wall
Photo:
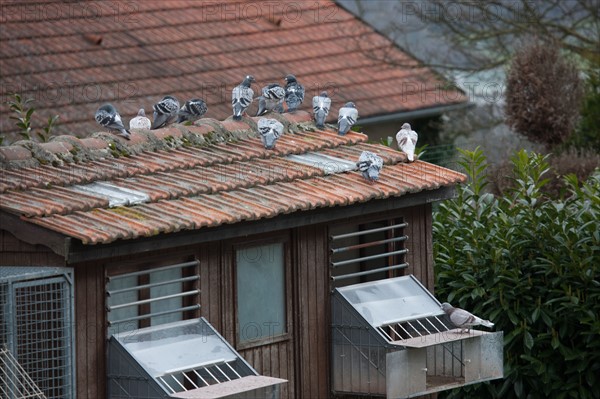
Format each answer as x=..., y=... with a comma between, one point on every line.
x=419, y=244
x=14, y=252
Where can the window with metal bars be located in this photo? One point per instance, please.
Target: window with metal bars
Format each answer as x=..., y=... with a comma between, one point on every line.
x=367, y=252
x=153, y=296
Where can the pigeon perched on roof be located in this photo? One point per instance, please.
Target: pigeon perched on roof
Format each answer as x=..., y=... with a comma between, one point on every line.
x=192, y=110
x=108, y=117
x=140, y=121
x=270, y=130
x=321, y=105
x=463, y=319
x=165, y=112
x=294, y=93
x=347, y=117
x=241, y=97
x=370, y=165
x=271, y=99
x=407, y=140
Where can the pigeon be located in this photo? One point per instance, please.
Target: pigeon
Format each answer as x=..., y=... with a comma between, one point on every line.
x=347, y=118
x=140, y=121
x=271, y=99
x=270, y=130
x=108, y=117
x=241, y=97
x=370, y=165
x=192, y=110
x=165, y=112
x=463, y=319
x=294, y=93
x=321, y=105
x=407, y=140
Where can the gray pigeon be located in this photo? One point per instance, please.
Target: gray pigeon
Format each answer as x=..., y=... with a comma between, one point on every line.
x=407, y=140
x=321, y=105
x=294, y=93
x=140, y=121
x=463, y=319
x=192, y=110
x=165, y=112
x=241, y=97
x=347, y=118
x=270, y=130
x=108, y=117
x=370, y=165
x=271, y=99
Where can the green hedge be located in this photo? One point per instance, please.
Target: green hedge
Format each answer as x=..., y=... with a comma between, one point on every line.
x=532, y=266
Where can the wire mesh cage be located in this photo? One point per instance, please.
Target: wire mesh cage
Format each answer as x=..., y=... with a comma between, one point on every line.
x=391, y=338
x=182, y=359
x=14, y=380
x=36, y=329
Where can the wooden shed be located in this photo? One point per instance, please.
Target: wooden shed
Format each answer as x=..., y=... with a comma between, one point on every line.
x=202, y=221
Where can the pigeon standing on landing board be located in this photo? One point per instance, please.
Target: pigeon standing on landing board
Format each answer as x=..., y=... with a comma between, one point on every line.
x=370, y=165
x=321, y=105
x=108, y=117
x=271, y=99
x=294, y=93
x=192, y=110
x=241, y=97
x=463, y=319
x=140, y=121
x=165, y=112
x=347, y=117
x=270, y=130
x=407, y=141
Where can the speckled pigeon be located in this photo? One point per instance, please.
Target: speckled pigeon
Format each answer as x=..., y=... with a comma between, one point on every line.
x=140, y=121
x=294, y=93
x=370, y=165
x=271, y=99
x=192, y=110
x=108, y=117
x=347, y=117
x=321, y=105
x=241, y=97
x=270, y=130
x=165, y=112
x=407, y=140
x=463, y=319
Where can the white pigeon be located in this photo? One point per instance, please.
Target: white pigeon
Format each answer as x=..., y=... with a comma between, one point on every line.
x=407, y=141
x=192, y=110
x=165, y=112
x=463, y=319
x=270, y=130
x=241, y=97
x=140, y=121
x=294, y=93
x=370, y=165
x=347, y=117
x=108, y=117
x=271, y=99
x=321, y=105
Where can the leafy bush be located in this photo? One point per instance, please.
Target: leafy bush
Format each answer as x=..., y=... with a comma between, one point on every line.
x=532, y=266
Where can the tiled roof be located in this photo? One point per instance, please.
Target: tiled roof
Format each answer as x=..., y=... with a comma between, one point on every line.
x=100, y=189
x=70, y=57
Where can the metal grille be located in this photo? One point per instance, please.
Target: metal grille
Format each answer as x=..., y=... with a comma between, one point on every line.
x=415, y=328
x=199, y=376
x=14, y=380
x=367, y=252
x=139, y=299
x=36, y=327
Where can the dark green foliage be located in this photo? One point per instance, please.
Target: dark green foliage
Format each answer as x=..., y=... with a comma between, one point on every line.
x=587, y=134
x=532, y=266
x=23, y=117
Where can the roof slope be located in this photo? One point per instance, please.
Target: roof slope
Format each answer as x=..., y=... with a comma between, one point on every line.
x=99, y=189
x=70, y=57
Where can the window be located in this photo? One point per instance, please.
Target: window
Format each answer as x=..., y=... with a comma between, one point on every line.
x=151, y=297
x=367, y=252
x=261, y=292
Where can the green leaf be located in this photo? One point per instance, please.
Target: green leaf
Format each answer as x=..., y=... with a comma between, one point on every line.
x=528, y=340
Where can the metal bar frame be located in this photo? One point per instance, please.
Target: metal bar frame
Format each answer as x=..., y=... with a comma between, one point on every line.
x=367, y=272
x=156, y=269
x=363, y=232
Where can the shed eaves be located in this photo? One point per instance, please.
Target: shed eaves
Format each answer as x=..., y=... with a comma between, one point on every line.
x=194, y=177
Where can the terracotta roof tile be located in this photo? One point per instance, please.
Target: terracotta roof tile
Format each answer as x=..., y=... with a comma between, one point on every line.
x=225, y=178
x=70, y=65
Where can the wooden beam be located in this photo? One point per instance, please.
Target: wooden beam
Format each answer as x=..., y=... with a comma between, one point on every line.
x=34, y=234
